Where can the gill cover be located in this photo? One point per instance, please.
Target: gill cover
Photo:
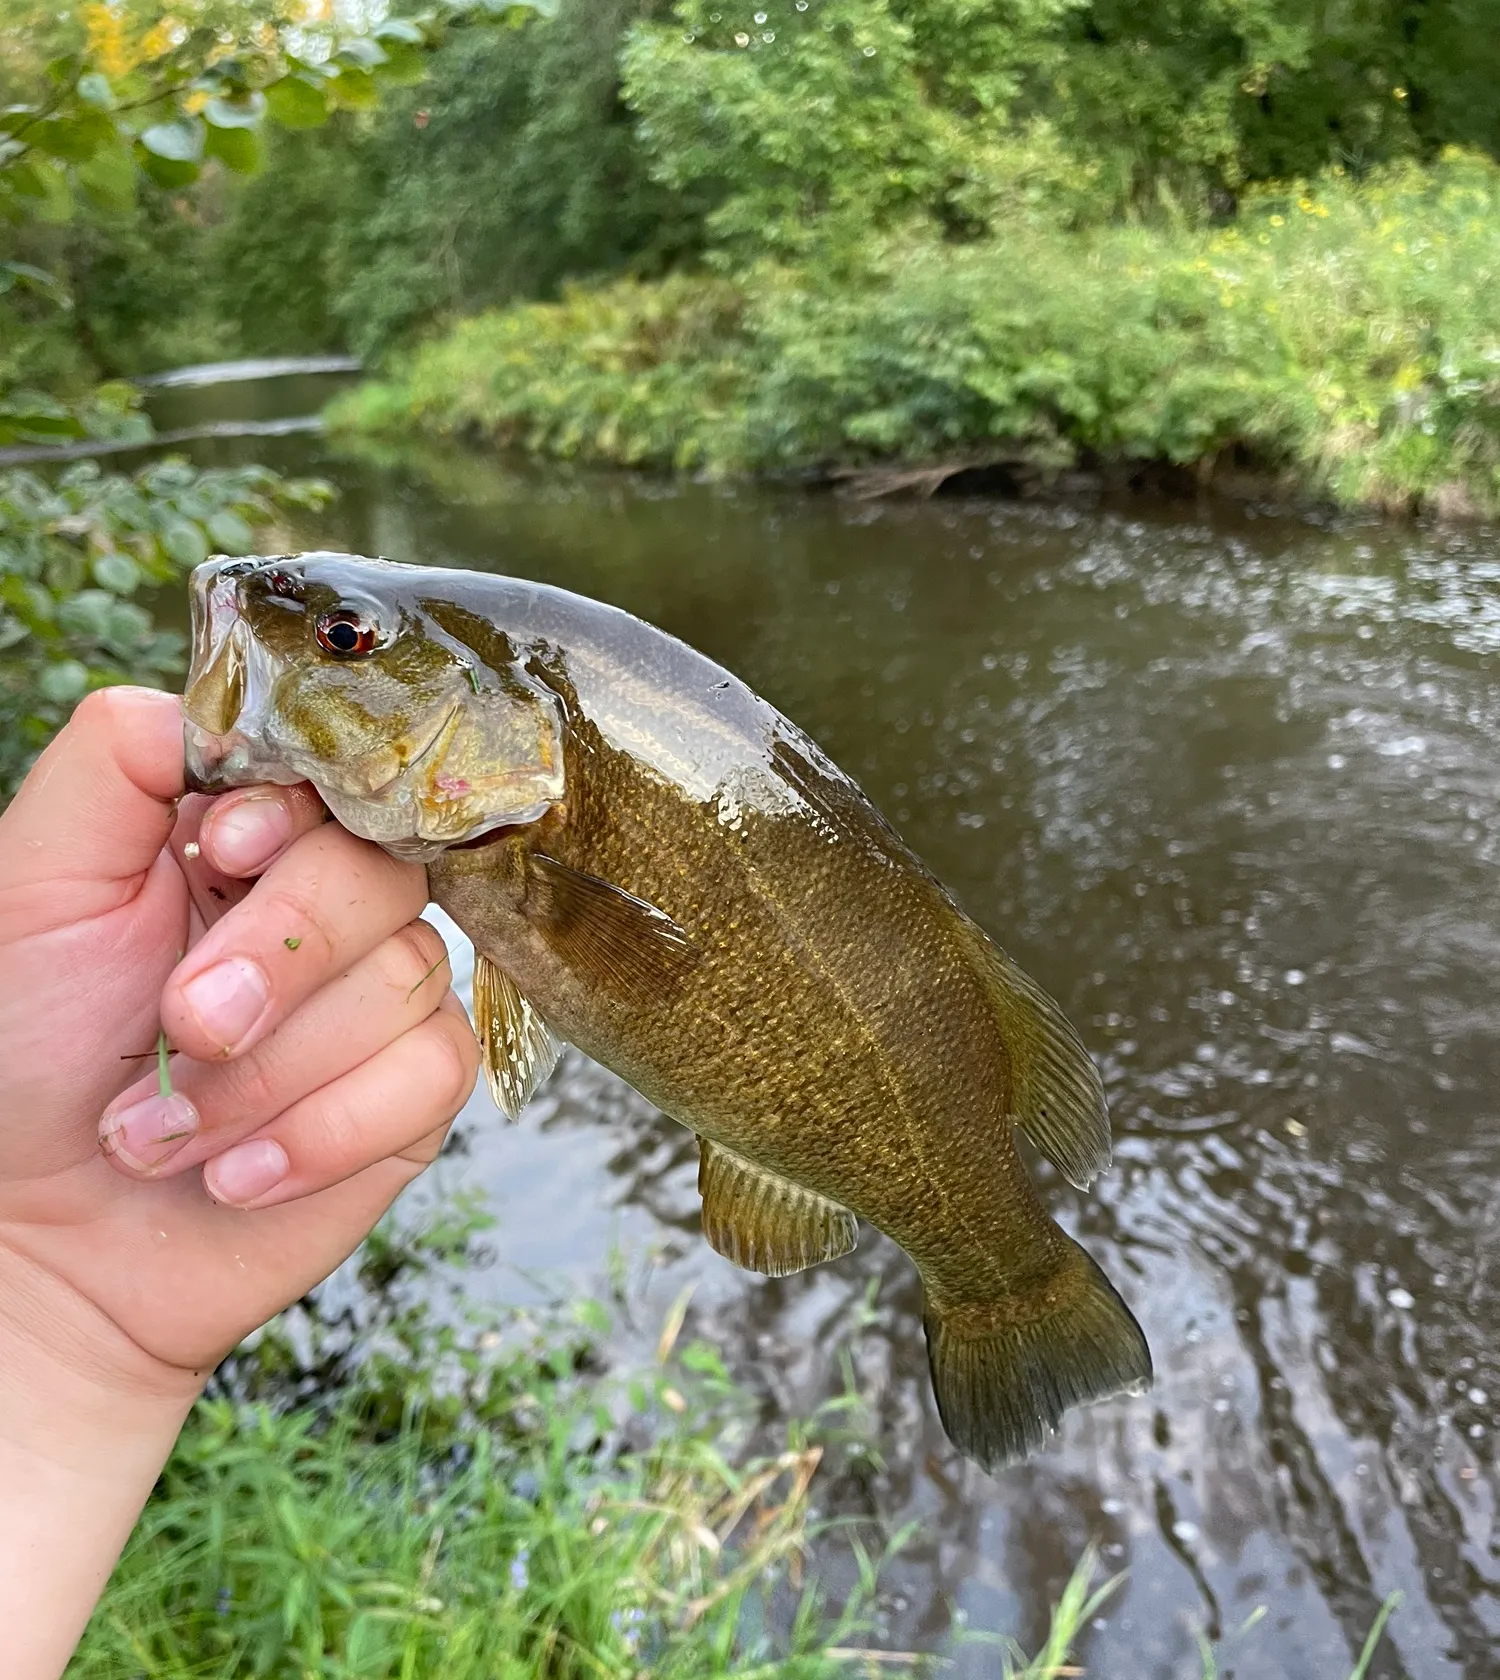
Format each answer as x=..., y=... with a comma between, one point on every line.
x=417, y=738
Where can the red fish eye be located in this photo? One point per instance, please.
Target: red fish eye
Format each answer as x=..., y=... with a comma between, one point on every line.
x=345, y=634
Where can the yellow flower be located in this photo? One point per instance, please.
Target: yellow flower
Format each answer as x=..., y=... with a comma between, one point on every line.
x=108, y=45
x=1278, y=221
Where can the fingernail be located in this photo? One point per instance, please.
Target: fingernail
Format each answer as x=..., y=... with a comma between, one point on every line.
x=148, y=1133
x=245, y=1173
x=227, y=1000
x=247, y=835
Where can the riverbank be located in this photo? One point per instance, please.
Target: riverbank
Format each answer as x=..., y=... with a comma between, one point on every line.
x=1338, y=340
x=436, y=1496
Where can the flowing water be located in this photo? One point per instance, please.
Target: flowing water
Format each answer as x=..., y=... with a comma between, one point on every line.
x=1227, y=785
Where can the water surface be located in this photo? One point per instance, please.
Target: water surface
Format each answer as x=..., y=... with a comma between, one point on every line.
x=1227, y=786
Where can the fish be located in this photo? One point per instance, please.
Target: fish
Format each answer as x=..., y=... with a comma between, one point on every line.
x=657, y=867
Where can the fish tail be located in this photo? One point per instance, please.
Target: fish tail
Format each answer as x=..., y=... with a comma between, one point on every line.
x=1004, y=1372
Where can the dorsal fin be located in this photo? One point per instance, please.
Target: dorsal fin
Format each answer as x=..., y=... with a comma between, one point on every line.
x=764, y=1222
x=1059, y=1096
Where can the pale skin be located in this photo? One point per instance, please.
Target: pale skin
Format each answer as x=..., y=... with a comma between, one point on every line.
x=320, y=1060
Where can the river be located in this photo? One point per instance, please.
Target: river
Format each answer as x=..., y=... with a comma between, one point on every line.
x=1224, y=781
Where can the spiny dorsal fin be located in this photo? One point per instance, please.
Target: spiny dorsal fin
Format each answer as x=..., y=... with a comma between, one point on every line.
x=1059, y=1097
x=607, y=935
x=764, y=1222
x=517, y=1047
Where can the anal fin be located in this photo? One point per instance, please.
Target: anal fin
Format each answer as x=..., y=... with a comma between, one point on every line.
x=517, y=1047
x=764, y=1222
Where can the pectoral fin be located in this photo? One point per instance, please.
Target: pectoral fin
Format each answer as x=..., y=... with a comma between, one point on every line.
x=517, y=1047
x=766, y=1223
x=607, y=935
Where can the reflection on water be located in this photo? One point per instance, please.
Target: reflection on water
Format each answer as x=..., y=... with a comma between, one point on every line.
x=1227, y=786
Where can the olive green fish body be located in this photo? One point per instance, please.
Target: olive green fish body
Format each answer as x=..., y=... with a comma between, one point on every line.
x=657, y=867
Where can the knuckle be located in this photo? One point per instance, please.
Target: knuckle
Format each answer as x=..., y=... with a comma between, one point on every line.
x=454, y=1063
x=409, y=956
x=296, y=905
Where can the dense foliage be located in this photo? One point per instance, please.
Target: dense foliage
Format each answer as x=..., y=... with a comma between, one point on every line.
x=1347, y=334
x=75, y=551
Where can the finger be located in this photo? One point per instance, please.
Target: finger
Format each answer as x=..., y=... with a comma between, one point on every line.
x=245, y=831
x=400, y=1103
x=320, y=907
x=214, y=1104
x=210, y=891
x=94, y=813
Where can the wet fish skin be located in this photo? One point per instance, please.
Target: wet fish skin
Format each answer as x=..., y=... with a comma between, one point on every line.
x=671, y=876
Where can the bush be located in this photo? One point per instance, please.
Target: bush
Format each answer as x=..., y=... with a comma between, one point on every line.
x=74, y=553
x=1345, y=333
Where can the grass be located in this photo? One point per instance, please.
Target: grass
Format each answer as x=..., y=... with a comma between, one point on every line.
x=395, y=1494
x=1343, y=335
x=382, y=1490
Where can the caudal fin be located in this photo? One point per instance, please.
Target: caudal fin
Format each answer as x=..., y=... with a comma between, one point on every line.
x=1003, y=1379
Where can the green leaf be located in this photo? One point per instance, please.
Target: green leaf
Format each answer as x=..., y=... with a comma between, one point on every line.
x=167, y=172
x=108, y=178
x=94, y=89
x=243, y=112
x=404, y=65
x=296, y=103
x=353, y=90
x=178, y=142
x=229, y=533
x=238, y=149
x=63, y=682
x=117, y=572
x=398, y=29
x=72, y=138
x=185, y=542
x=39, y=179
x=33, y=279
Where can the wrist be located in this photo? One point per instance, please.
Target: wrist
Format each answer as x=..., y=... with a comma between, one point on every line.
x=87, y=1420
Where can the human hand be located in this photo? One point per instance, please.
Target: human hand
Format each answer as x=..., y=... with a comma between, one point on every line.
x=320, y=1058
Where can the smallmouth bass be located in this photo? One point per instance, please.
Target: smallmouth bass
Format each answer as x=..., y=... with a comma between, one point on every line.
x=656, y=866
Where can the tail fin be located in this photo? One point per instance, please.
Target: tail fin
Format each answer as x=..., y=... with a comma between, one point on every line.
x=1003, y=1386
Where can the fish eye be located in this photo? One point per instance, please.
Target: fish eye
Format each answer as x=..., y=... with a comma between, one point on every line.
x=346, y=633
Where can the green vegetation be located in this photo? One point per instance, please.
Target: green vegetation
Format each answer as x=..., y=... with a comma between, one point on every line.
x=74, y=552
x=1345, y=334
x=447, y=1500
x=937, y=234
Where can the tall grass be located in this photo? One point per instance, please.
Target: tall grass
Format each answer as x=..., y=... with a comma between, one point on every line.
x=1343, y=334
x=384, y=1489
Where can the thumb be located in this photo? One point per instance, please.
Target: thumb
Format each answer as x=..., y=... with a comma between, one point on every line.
x=93, y=814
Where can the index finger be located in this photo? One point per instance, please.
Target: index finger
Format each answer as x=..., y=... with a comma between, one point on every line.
x=326, y=902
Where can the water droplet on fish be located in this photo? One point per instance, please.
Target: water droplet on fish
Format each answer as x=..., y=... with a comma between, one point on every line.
x=1478, y=1396
x=1111, y=1507
x=1186, y=1532
x=760, y=17
x=1401, y=1299
x=869, y=52
x=741, y=39
x=1294, y=977
x=1336, y=761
